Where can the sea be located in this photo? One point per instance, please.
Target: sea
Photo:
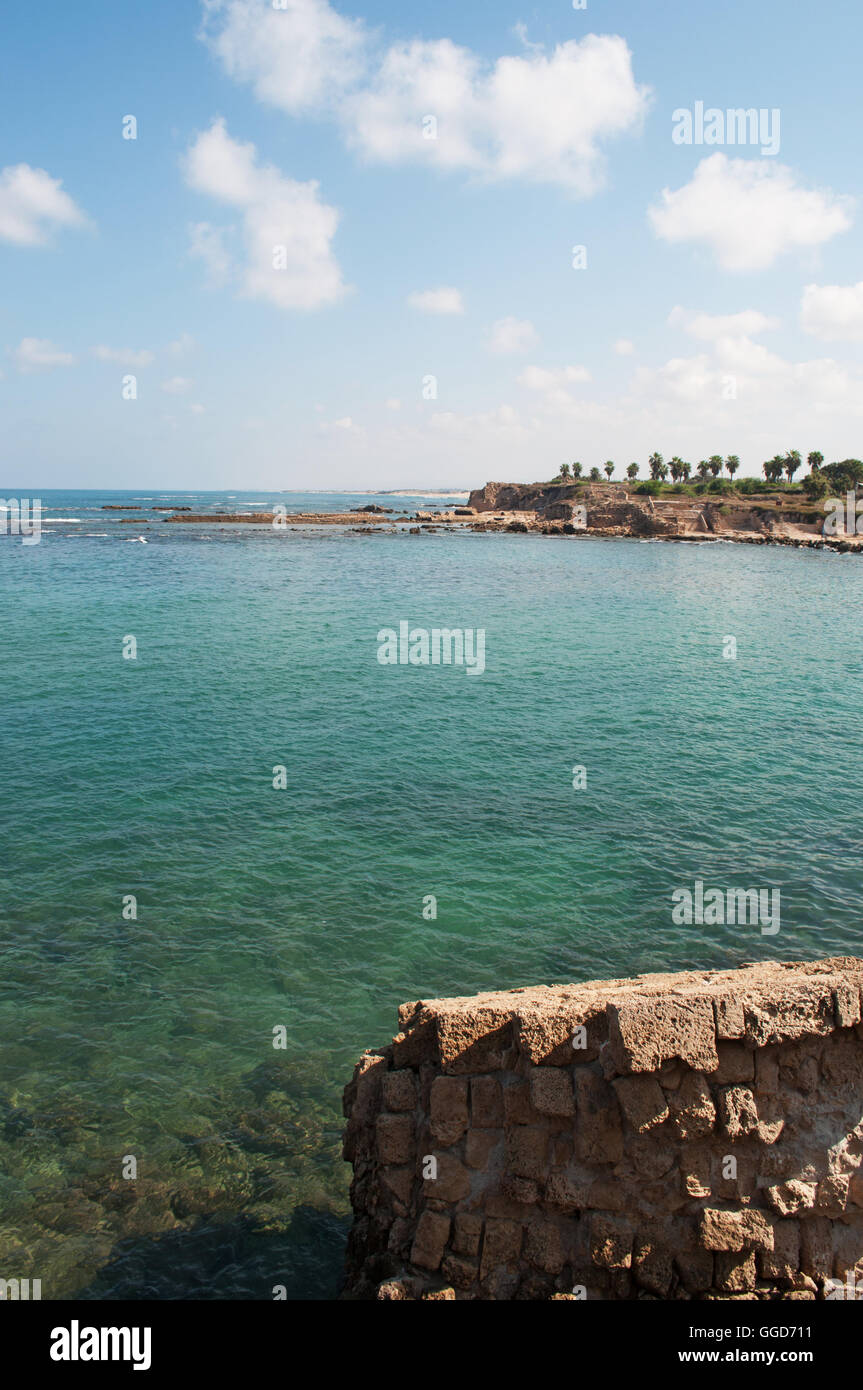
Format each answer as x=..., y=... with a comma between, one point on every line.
x=234, y=842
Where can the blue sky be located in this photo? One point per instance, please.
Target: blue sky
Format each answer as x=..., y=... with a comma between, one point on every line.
x=720, y=310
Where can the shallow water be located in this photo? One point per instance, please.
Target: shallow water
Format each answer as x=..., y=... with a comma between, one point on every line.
x=302, y=908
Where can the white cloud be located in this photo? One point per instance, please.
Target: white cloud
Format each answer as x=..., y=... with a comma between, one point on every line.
x=287, y=230
x=33, y=205
x=553, y=383
x=710, y=327
x=624, y=347
x=443, y=301
x=124, y=357
x=512, y=335
x=40, y=354
x=833, y=312
x=197, y=409
x=537, y=116
x=299, y=58
x=748, y=212
x=177, y=385
x=545, y=378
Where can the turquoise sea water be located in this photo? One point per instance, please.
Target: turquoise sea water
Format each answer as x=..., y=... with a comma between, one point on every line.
x=303, y=907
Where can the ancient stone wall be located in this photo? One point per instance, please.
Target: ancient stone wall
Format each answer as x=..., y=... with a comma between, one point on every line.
x=673, y=1136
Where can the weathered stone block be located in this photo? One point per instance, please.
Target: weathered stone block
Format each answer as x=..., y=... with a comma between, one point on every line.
x=551, y=1091
x=728, y=1012
x=449, y=1116
x=693, y=1113
x=736, y=1064
x=598, y=1129
x=846, y=1002
x=452, y=1182
x=783, y=1261
x=480, y=1145
x=611, y=1239
x=816, y=1247
x=467, y=1233
x=517, y=1106
x=526, y=1151
x=644, y=1033
x=735, y=1273
x=543, y=1246
x=400, y=1090
x=486, y=1102
x=460, y=1272
x=395, y=1138
x=642, y=1101
x=433, y=1230
x=501, y=1245
x=738, y=1112
x=735, y=1230
x=788, y=1198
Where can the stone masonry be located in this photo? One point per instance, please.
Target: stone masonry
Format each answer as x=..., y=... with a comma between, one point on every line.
x=686, y=1136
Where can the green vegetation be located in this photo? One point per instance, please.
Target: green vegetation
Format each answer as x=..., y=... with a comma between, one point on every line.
x=823, y=480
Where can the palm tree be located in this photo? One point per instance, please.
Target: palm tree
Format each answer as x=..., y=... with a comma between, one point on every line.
x=685, y=470
x=576, y=470
x=773, y=468
x=609, y=469
x=564, y=470
x=657, y=467
x=632, y=472
x=675, y=466
x=815, y=461
x=732, y=463
x=791, y=463
x=715, y=464
x=703, y=470
x=595, y=475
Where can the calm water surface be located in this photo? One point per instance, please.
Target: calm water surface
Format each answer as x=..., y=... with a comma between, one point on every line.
x=302, y=908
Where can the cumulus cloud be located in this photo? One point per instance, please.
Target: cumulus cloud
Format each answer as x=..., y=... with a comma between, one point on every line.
x=177, y=385
x=833, y=312
x=540, y=116
x=287, y=230
x=124, y=357
x=300, y=57
x=510, y=335
x=748, y=212
x=441, y=301
x=624, y=347
x=40, y=355
x=33, y=205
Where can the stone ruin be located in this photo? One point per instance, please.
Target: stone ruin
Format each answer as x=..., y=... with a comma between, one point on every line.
x=679, y=1136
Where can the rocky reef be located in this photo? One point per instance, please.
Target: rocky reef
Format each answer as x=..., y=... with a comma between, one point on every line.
x=685, y=1136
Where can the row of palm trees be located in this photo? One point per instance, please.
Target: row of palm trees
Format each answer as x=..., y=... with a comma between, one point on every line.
x=680, y=471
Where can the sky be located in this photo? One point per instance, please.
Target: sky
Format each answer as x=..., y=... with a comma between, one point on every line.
x=288, y=244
